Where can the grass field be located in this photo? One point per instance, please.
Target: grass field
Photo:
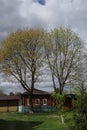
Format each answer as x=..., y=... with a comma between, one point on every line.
x=38, y=121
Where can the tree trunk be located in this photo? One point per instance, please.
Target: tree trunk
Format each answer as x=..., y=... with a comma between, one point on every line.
x=61, y=88
x=31, y=104
x=32, y=83
x=54, y=86
x=62, y=119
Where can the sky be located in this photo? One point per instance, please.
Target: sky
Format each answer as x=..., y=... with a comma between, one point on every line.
x=47, y=14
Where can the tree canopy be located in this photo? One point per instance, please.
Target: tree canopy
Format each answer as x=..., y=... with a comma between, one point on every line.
x=63, y=49
x=22, y=58
x=23, y=54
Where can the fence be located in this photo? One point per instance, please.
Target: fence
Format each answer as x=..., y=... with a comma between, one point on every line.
x=38, y=109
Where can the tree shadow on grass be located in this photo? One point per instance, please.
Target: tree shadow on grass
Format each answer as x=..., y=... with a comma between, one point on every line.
x=18, y=125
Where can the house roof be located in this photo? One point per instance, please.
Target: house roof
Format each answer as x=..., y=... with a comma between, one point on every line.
x=37, y=92
x=9, y=97
x=71, y=96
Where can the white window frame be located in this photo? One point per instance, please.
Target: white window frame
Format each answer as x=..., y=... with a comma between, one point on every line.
x=45, y=100
x=28, y=101
x=38, y=101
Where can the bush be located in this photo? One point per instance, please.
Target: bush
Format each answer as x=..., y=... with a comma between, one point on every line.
x=80, y=113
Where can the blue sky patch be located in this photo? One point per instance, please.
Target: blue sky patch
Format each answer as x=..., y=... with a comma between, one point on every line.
x=42, y=2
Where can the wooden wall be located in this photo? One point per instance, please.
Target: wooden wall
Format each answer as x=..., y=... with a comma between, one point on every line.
x=9, y=105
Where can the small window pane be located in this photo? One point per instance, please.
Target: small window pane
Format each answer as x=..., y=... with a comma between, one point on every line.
x=28, y=102
x=44, y=101
x=37, y=101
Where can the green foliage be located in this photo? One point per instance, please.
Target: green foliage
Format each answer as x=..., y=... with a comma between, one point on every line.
x=11, y=94
x=21, y=121
x=59, y=101
x=80, y=112
x=21, y=56
x=63, y=50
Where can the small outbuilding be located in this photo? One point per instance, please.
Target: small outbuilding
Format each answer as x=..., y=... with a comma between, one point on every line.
x=69, y=98
x=9, y=103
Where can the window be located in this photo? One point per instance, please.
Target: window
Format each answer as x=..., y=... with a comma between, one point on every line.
x=37, y=101
x=44, y=101
x=28, y=102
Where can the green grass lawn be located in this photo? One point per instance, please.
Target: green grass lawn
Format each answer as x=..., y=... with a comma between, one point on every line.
x=35, y=121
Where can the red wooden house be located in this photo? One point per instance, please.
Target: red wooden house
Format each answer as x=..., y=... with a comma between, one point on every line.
x=42, y=101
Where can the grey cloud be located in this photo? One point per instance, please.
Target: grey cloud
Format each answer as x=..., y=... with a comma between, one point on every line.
x=8, y=87
x=56, y=13
x=10, y=18
x=76, y=16
x=15, y=14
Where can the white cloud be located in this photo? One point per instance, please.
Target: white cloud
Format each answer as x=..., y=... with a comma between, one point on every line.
x=15, y=14
x=8, y=87
x=71, y=13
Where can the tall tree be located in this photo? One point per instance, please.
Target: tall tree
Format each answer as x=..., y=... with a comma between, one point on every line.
x=22, y=57
x=80, y=111
x=63, y=49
